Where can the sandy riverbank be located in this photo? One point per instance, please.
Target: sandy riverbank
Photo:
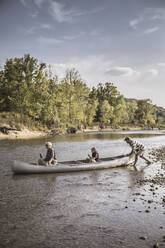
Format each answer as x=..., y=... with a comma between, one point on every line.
x=23, y=134
x=28, y=134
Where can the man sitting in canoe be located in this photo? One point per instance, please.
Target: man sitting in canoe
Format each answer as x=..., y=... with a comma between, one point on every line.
x=50, y=158
x=95, y=155
x=138, y=149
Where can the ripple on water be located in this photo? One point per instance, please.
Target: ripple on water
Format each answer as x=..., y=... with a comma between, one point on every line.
x=87, y=209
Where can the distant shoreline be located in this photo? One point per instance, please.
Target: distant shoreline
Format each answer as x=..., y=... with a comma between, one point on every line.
x=28, y=134
x=97, y=129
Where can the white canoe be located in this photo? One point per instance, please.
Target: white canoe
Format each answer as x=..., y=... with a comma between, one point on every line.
x=19, y=167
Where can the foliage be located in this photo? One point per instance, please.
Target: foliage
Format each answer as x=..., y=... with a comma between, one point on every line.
x=144, y=113
x=28, y=89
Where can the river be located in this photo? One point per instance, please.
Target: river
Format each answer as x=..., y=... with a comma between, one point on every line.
x=106, y=208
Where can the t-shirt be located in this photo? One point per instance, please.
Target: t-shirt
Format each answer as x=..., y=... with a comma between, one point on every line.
x=137, y=147
x=95, y=155
x=50, y=154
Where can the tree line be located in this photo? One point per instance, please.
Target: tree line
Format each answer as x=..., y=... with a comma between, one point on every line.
x=29, y=88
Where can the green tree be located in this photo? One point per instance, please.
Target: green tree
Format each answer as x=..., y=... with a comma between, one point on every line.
x=28, y=88
x=110, y=93
x=75, y=98
x=91, y=108
x=106, y=111
x=120, y=113
x=145, y=113
x=132, y=107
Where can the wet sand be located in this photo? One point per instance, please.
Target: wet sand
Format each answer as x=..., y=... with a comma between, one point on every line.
x=110, y=208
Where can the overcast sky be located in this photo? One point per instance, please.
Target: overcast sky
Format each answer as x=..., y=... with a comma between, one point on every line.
x=119, y=41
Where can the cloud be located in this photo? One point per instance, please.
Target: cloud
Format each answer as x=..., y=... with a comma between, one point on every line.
x=45, y=26
x=73, y=37
x=31, y=30
x=61, y=13
x=152, y=72
x=134, y=23
x=34, y=15
x=94, y=33
x=91, y=68
x=161, y=64
x=140, y=85
x=148, y=17
x=94, y=70
x=34, y=29
x=88, y=12
x=38, y=3
x=151, y=30
x=48, y=41
x=157, y=13
x=23, y=2
x=60, y=65
x=120, y=71
x=60, y=68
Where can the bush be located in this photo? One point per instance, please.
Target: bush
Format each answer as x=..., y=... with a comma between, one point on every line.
x=18, y=121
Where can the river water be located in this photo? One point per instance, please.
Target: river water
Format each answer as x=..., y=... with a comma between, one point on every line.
x=105, y=208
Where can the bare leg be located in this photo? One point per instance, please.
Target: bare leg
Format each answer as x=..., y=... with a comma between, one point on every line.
x=136, y=158
x=148, y=162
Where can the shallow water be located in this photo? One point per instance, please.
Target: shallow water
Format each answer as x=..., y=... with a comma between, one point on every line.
x=85, y=209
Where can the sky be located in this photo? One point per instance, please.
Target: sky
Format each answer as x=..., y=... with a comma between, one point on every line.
x=117, y=41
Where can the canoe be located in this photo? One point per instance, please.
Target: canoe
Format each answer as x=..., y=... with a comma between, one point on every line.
x=19, y=167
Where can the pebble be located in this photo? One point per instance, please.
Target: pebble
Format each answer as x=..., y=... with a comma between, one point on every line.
x=156, y=245
x=143, y=237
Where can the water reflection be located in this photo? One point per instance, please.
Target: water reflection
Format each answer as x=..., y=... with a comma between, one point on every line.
x=90, y=206
x=79, y=138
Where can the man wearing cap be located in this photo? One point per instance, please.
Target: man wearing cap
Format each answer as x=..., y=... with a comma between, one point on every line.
x=50, y=157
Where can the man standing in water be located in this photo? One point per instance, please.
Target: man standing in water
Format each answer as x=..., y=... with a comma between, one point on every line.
x=50, y=157
x=138, y=149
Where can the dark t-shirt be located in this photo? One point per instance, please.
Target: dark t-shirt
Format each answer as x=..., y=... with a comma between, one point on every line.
x=50, y=154
x=95, y=155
